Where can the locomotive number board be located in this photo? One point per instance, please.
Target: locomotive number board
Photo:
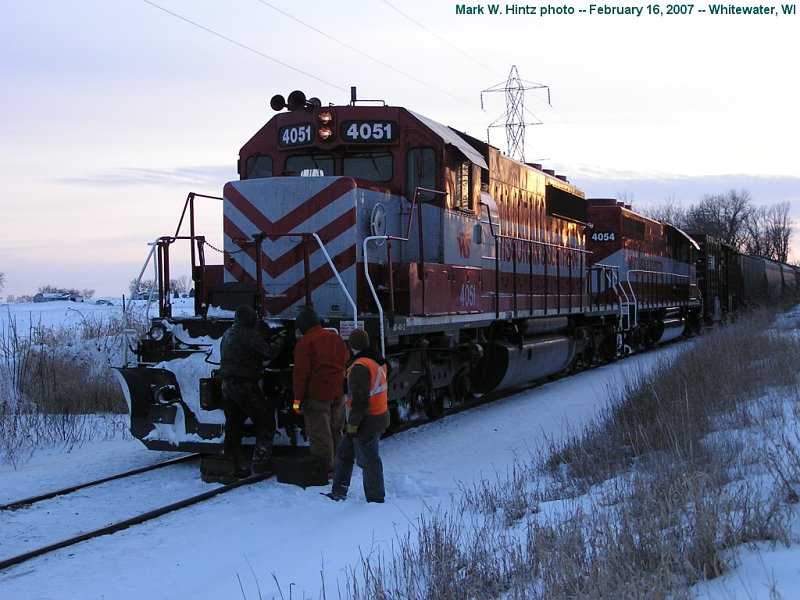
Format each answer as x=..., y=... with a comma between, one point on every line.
x=368, y=131
x=295, y=135
x=604, y=236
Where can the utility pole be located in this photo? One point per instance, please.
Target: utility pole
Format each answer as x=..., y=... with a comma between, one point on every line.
x=514, y=118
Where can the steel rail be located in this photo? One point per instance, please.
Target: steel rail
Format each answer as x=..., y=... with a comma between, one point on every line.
x=137, y=520
x=68, y=490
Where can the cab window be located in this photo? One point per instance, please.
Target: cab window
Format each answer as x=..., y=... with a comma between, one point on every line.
x=257, y=167
x=463, y=195
x=308, y=164
x=421, y=169
x=373, y=166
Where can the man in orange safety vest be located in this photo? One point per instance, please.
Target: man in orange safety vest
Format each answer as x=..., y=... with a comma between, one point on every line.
x=367, y=419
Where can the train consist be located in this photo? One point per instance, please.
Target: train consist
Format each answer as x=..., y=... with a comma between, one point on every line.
x=471, y=271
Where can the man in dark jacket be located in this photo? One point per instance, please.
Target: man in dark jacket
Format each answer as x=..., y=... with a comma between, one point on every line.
x=320, y=360
x=368, y=418
x=243, y=352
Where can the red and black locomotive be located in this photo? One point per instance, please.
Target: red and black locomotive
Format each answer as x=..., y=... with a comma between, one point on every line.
x=472, y=271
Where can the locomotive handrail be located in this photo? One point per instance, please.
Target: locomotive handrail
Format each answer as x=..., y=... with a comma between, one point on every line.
x=627, y=302
x=161, y=264
x=613, y=282
x=259, y=239
x=153, y=245
x=198, y=277
x=372, y=286
x=582, y=252
x=338, y=278
x=389, y=238
x=661, y=274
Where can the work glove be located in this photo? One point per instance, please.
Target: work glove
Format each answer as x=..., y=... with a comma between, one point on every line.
x=352, y=430
x=296, y=407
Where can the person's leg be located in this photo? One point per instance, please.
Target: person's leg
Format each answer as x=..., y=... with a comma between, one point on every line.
x=317, y=417
x=367, y=455
x=234, y=423
x=343, y=467
x=337, y=420
x=262, y=414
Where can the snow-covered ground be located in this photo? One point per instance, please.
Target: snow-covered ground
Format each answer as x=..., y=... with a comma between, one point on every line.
x=71, y=314
x=239, y=544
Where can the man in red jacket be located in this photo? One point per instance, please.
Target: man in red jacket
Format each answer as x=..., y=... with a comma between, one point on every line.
x=320, y=360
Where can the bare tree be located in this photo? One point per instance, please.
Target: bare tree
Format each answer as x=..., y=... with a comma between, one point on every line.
x=144, y=285
x=722, y=216
x=181, y=285
x=762, y=231
x=769, y=231
x=756, y=241
x=2, y=281
x=780, y=230
x=670, y=211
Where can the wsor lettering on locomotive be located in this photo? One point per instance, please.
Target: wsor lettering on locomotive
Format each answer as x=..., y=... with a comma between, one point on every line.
x=472, y=271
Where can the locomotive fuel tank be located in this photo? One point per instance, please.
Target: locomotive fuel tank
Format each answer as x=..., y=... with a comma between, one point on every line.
x=671, y=329
x=509, y=364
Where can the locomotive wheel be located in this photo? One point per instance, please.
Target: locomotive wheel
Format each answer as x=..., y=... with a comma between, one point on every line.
x=402, y=412
x=462, y=388
x=409, y=406
x=435, y=408
x=608, y=347
x=585, y=358
x=423, y=397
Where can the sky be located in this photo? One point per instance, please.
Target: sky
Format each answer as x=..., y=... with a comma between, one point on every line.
x=113, y=111
x=244, y=543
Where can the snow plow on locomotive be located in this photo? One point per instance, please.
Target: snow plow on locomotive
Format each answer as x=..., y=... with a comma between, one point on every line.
x=471, y=272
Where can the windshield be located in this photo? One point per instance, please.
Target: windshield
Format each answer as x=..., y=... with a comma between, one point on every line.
x=374, y=166
x=317, y=164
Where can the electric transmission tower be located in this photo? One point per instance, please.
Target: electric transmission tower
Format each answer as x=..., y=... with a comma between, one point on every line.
x=514, y=118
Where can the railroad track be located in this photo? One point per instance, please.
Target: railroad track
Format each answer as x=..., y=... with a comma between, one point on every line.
x=17, y=504
x=121, y=524
x=155, y=513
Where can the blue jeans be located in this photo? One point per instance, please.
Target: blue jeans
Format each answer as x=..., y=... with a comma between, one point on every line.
x=361, y=449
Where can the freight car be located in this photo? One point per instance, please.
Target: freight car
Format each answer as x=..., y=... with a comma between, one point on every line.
x=471, y=271
x=766, y=281
x=719, y=278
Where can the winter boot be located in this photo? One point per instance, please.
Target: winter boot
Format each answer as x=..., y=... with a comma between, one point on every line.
x=333, y=496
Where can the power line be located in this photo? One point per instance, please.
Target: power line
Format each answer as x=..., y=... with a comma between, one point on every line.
x=440, y=38
x=248, y=48
x=364, y=54
x=288, y=66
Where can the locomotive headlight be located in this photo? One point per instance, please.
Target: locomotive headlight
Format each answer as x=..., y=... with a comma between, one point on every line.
x=157, y=332
x=325, y=133
x=325, y=117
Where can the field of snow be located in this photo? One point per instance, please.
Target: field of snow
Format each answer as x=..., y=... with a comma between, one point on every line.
x=246, y=543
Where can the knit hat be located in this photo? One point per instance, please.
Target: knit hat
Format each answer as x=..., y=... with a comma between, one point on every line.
x=306, y=319
x=246, y=315
x=359, y=340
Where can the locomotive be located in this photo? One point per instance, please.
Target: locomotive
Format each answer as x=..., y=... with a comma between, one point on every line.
x=471, y=271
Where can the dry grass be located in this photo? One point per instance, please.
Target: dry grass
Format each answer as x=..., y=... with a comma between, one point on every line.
x=643, y=505
x=55, y=381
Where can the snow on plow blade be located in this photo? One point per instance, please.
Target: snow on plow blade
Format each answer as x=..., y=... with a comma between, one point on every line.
x=160, y=417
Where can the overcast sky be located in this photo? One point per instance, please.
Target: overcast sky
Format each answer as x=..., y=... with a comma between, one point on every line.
x=112, y=111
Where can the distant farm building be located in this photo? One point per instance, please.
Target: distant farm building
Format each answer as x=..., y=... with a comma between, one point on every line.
x=57, y=297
